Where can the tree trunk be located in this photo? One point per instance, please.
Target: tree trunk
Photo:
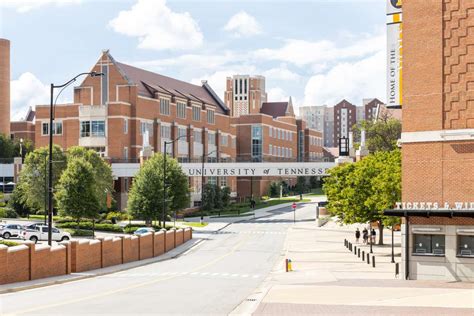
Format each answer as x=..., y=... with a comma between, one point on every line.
x=380, y=232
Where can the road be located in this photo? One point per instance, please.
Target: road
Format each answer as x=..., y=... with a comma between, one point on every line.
x=212, y=278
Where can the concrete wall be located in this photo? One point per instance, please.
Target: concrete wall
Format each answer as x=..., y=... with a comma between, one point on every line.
x=30, y=261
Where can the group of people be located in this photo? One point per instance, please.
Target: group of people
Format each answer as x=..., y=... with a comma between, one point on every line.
x=365, y=235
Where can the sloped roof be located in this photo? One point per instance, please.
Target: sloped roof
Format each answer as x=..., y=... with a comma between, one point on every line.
x=148, y=81
x=274, y=109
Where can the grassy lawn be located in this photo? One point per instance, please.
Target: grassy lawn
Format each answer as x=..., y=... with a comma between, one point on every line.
x=315, y=192
x=192, y=224
x=9, y=243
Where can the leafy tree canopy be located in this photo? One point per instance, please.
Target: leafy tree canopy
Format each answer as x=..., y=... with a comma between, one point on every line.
x=381, y=135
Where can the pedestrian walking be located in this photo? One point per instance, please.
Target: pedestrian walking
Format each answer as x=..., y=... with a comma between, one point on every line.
x=372, y=235
x=365, y=235
x=357, y=235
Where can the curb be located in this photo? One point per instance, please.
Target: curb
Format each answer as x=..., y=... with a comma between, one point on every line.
x=85, y=275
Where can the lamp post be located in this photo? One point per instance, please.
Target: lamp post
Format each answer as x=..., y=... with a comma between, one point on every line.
x=51, y=119
x=164, y=177
x=393, y=251
x=21, y=150
x=202, y=179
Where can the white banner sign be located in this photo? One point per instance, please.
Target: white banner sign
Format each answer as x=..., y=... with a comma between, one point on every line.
x=394, y=53
x=261, y=169
x=238, y=169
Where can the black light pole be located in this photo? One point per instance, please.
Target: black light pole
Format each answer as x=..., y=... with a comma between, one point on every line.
x=164, y=178
x=202, y=177
x=51, y=119
x=393, y=251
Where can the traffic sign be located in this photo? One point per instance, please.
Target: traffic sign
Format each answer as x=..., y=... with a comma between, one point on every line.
x=294, y=205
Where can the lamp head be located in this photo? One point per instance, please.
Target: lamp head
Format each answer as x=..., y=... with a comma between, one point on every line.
x=96, y=74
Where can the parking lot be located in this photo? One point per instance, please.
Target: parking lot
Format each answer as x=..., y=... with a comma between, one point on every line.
x=24, y=223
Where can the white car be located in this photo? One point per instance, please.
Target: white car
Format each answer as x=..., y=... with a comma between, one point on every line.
x=11, y=230
x=41, y=233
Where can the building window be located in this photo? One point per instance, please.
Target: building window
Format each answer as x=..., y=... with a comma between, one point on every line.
x=196, y=113
x=465, y=246
x=212, y=180
x=300, y=145
x=105, y=84
x=224, y=140
x=256, y=143
x=85, y=128
x=57, y=128
x=98, y=128
x=181, y=110
x=210, y=116
x=428, y=244
x=165, y=131
x=125, y=126
x=125, y=153
x=197, y=136
x=182, y=133
x=270, y=149
x=291, y=152
x=99, y=150
x=234, y=142
x=146, y=127
x=164, y=106
x=270, y=129
x=223, y=182
x=211, y=139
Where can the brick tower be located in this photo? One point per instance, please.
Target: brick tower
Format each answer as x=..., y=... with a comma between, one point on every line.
x=4, y=86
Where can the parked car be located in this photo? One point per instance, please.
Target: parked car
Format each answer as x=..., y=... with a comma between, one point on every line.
x=143, y=230
x=11, y=230
x=34, y=226
x=41, y=233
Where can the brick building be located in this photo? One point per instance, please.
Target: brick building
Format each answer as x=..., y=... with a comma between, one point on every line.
x=345, y=117
x=24, y=128
x=113, y=113
x=437, y=140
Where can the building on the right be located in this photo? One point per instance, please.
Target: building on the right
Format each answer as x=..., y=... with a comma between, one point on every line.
x=438, y=140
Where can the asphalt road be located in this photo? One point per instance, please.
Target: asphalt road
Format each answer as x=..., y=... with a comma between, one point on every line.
x=211, y=278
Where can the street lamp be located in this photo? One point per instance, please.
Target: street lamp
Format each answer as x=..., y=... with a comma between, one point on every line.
x=51, y=119
x=21, y=150
x=202, y=179
x=164, y=177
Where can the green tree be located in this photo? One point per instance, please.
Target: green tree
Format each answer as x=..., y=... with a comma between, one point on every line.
x=6, y=147
x=34, y=176
x=145, y=200
x=208, y=197
x=76, y=193
x=360, y=192
x=218, y=197
x=17, y=202
x=101, y=170
x=225, y=197
x=274, y=189
x=313, y=182
x=381, y=135
x=300, y=185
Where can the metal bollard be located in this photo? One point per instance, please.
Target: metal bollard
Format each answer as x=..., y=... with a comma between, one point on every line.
x=358, y=253
x=368, y=258
x=355, y=250
x=286, y=265
x=397, y=270
x=363, y=255
x=373, y=261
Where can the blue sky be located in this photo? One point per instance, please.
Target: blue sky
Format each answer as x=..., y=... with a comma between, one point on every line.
x=318, y=52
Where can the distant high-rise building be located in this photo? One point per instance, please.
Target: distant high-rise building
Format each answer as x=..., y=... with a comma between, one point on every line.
x=345, y=117
x=320, y=118
x=370, y=107
x=245, y=94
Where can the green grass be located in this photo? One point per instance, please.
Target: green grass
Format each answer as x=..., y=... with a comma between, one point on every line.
x=315, y=192
x=193, y=224
x=9, y=243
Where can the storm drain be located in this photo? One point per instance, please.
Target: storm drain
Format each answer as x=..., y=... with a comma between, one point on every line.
x=251, y=299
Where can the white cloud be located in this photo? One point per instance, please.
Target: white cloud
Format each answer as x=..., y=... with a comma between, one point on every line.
x=280, y=73
x=243, y=24
x=27, y=91
x=157, y=27
x=277, y=94
x=303, y=53
x=352, y=81
x=23, y=6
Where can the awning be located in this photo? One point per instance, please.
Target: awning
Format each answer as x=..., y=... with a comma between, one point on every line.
x=428, y=213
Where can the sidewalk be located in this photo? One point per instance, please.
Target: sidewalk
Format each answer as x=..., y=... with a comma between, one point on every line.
x=328, y=279
x=174, y=253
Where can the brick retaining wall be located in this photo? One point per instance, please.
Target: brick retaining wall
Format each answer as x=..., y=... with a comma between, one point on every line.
x=30, y=261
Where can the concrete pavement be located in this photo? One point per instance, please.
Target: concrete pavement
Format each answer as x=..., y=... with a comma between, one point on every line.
x=328, y=279
x=211, y=278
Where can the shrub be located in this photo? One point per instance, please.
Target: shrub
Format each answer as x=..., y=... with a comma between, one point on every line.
x=9, y=243
x=265, y=197
x=7, y=213
x=89, y=226
x=79, y=232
